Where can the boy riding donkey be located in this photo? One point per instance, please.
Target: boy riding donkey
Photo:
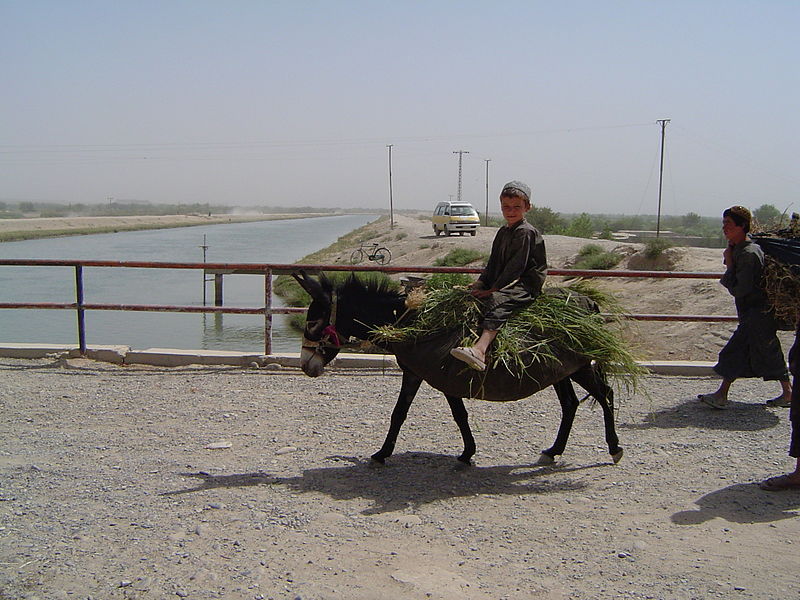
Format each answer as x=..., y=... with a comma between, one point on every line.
x=514, y=275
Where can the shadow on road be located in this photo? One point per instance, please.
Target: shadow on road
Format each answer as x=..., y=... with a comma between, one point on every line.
x=739, y=416
x=741, y=503
x=412, y=478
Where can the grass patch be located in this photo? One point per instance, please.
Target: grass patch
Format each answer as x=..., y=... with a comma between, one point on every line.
x=654, y=247
x=593, y=257
x=459, y=257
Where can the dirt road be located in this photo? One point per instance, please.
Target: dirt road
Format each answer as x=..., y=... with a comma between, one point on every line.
x=110, y=490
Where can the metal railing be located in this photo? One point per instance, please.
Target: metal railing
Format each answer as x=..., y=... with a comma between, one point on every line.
x=80, y=306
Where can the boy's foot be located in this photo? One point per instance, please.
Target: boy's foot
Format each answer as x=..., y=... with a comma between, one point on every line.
x=779, y=402
x=781, y=483
x=469, y=356
x=713, y=401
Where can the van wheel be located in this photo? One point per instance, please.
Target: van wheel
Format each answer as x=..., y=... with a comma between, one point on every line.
x=473, y=232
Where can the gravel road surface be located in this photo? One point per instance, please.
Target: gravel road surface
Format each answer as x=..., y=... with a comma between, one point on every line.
x=146, y=483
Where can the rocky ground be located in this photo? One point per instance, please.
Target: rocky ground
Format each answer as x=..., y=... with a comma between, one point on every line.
x=139, y=483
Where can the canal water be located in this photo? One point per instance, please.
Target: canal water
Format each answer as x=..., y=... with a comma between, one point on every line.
x=277, y=242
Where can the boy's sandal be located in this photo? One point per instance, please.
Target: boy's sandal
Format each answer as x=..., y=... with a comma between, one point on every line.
x=779, y=484
x=468, y=356
x=779, y=402
x=713, y=401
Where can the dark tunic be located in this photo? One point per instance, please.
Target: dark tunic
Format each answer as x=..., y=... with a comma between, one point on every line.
x=794, y=411
x=517, y=269
x=754, y=349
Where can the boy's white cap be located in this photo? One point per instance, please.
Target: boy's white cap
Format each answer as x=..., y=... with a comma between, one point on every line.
x=519, y=187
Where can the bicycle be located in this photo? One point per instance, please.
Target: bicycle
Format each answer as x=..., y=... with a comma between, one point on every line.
x=374, y=252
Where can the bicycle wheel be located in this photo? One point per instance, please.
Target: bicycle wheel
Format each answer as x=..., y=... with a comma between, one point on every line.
x=382, y=256
x=357, y=256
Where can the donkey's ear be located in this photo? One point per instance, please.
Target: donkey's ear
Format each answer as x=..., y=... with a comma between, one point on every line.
x=312, y=286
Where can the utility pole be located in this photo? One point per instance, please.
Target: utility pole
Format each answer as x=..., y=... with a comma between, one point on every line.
x=486, y=214
x=391, y=210
x=460, y=154
x=660, y=174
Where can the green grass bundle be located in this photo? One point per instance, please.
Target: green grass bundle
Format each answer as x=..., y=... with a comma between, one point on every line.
x=555, y=320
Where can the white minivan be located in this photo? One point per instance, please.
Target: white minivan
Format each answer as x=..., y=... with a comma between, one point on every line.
x=455, y=217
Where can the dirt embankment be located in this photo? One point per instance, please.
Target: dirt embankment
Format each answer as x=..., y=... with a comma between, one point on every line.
x=413, y=243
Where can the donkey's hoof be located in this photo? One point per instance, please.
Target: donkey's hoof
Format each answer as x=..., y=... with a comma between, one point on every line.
x=545, y=459
x=377, y=459
x=464, y=461
x=617, y=456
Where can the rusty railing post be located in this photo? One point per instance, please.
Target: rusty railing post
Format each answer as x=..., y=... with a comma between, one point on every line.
x=80, y=309
x=267, y=311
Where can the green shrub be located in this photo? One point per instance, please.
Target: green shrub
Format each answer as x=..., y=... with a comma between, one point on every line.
x=458, y=257
x=654, y=247
x=590, y=250
x=401, y=235
x=593, y=257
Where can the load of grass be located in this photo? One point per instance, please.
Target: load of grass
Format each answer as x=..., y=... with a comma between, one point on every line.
x=556, y=320
x=782, y=285
x=781, y=276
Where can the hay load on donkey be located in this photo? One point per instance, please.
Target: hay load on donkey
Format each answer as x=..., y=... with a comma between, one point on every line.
x=560, y=339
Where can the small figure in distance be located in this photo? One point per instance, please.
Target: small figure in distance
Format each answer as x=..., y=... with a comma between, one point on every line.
x=754, y=349
x=513, y=276
x=791, y=481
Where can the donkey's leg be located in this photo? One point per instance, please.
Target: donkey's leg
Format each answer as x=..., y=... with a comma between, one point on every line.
x=408, y=390
x=462, y=420
x=569, y=406
x=592, y=379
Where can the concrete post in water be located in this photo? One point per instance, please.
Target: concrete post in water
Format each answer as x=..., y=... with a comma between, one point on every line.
x=217, y=289
x=267, y=311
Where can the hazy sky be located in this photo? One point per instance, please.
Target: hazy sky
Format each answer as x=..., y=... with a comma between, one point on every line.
x=294, y=102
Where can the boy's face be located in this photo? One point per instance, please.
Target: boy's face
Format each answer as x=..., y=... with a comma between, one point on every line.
x=514, y=209
x=733, y=233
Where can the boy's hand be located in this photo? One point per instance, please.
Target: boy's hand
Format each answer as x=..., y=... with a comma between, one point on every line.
x=727, y=256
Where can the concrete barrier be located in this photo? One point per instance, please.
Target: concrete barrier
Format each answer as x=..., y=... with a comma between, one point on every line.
x=176, y=357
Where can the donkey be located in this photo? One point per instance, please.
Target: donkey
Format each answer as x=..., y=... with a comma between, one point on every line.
x=353, y=309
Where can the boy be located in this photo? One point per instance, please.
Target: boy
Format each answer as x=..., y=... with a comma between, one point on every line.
x=754, y=349
x=514, y=275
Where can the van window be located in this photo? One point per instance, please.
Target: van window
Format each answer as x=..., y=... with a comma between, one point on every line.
x=463, y=211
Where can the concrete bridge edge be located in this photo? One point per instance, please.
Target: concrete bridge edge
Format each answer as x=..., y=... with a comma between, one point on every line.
x=173, y=357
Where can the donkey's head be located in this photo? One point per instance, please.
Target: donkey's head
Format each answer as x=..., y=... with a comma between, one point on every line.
x=351, y=308
x=321, y=340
